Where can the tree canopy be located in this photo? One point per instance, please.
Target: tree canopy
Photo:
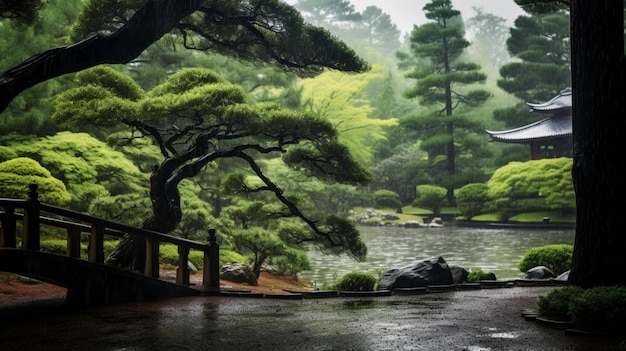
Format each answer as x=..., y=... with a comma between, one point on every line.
x=264, y=31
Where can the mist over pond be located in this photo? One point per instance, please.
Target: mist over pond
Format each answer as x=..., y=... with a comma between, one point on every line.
x=492, y=250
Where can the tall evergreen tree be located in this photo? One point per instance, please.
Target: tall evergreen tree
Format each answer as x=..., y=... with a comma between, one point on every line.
x=443, y=82
x=541, y=42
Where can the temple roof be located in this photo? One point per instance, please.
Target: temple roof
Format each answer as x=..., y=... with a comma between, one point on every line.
x=559, y=102
x=559, y=124
x=551, y=127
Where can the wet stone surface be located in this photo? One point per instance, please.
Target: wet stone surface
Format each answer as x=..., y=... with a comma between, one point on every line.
x=476, y=320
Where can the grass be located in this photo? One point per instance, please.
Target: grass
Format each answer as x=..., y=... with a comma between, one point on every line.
x=528, y=217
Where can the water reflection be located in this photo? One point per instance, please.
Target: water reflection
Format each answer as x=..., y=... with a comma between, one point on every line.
x=492, y=250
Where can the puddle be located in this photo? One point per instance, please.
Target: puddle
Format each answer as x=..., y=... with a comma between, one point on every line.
x=505, y=335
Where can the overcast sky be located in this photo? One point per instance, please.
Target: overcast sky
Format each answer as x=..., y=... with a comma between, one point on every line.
x=406, y=13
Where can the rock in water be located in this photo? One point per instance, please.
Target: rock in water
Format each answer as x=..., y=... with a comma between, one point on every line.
x=430, y=271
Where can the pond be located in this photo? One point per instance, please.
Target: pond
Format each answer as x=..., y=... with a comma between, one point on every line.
x=492, y=250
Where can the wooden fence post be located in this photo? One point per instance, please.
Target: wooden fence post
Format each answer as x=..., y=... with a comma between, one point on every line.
x=182, y=273
x=7, y=231
x=73, y=242
x=152, y=258
x=96, y=243
x=30, y=233
x=211, y=276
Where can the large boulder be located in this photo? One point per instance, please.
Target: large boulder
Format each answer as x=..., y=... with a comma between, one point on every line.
x=430, y=271
x=539, y=272
x=238, y=273
x=459, y=274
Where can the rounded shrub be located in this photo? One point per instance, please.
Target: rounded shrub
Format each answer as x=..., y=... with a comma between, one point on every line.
x=556, y=303
x=356, y=281
x=601, y=309
x=557, y=257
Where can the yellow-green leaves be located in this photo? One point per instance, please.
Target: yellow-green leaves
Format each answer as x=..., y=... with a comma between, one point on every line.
x=18, y=173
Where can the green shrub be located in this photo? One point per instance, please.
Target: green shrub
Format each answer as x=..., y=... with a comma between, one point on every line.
x=356, y=281
x=601, y=309
x=58, y=247
x=557, y=258
x=227, y=256
x=477, y=274
x=556, y=303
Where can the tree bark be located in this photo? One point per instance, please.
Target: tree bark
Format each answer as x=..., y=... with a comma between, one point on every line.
x=599, y=127
x=148, y=24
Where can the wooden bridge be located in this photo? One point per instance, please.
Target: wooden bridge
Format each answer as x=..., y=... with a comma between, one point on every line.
x=90, y=282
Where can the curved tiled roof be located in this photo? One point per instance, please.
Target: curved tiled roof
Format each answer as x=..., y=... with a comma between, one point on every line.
x=550, y=127
x=557, y=125
x=559, y=102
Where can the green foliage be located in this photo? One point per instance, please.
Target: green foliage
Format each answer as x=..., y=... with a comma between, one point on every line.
x=471, y=199
x=89, y=168
x=600, y=309
x=18, y=173
x=291, y=262
x=229, y=256
x=533, y=185
x=556, y=303
x=477, y=274
x=356, y=281
x=338, y=97
x=260, y=244
x=557, y=257
x=431, y=197
x=387, y=198
x=54, y=246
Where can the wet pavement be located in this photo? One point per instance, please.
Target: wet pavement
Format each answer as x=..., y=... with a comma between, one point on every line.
x=473, y=320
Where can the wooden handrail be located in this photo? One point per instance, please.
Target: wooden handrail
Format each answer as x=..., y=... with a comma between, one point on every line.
x=76, y=223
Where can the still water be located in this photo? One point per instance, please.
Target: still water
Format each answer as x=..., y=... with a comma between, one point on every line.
x=492, y=250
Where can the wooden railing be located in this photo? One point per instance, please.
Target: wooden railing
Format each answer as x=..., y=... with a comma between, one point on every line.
x=76, y=223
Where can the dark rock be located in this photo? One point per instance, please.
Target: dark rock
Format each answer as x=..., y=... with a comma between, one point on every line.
x=238, y=273
x=431, y=271
x=539, y=272
x=459, y=274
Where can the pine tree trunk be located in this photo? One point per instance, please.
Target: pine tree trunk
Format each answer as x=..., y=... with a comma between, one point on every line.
x=599, y=127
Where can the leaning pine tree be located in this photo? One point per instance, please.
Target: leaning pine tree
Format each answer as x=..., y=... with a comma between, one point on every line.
x=195, y=118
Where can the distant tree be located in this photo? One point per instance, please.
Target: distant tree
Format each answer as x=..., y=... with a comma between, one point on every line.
x=340, y=98
x=541, y=42
x=326, y=13
x=18, y=173
x=471, y=199
x=197, y=118
x=387, y=199
x=443, y=83
x=431, y=197
x=489, y=34
x=378, y=30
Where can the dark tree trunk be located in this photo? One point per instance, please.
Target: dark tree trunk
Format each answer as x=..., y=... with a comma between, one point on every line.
x=599, y=127
x=166, y=214
x=151, y=22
